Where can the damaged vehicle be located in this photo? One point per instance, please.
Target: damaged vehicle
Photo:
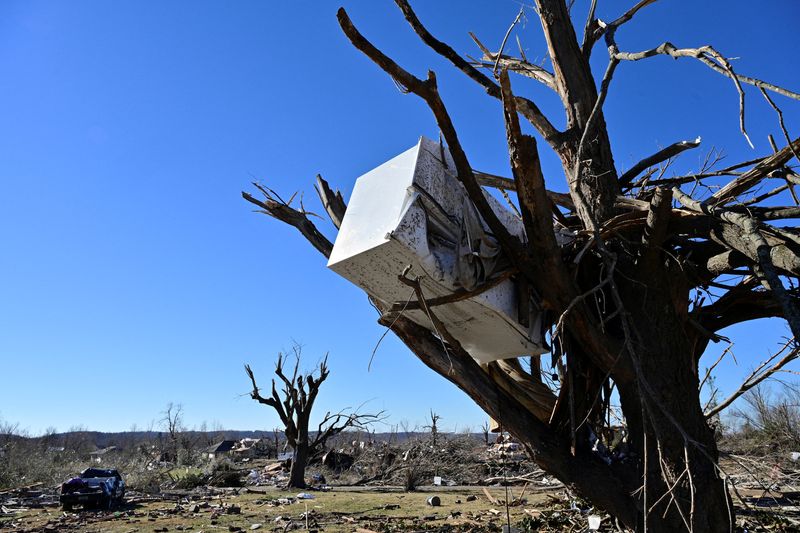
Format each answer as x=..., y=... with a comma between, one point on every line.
x=94, y=487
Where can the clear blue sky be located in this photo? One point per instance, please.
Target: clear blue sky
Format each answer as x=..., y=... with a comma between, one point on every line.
x=129, y=262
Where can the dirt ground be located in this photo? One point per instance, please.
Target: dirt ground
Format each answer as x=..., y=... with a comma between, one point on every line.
x=361, y=510
x=341, y=510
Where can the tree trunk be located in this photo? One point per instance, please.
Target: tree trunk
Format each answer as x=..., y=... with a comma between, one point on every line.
x=297, y=474
x=683, y=488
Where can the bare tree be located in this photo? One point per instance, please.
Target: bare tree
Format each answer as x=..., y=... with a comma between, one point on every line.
x=294, y=404
x=433, y=426
x=652, y=274
x=485, y=431
x=172, y=423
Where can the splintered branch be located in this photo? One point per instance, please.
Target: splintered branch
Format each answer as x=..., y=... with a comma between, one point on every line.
x=332, y=201
x=753, y=176
x=534, y=203
x=276, y=207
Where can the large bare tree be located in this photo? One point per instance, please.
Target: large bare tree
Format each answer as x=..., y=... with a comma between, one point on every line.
x=653, y=274
x=294, y=404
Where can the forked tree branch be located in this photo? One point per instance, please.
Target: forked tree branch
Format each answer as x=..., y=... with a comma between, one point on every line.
x=594, y=30
x=528, y=109
x=275, y=207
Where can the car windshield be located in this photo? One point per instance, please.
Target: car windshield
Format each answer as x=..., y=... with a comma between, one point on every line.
x=97, y=472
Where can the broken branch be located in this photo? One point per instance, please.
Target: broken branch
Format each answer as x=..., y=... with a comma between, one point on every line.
x=659, y=157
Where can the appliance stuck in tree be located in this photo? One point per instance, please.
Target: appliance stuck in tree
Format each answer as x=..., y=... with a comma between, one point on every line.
x=412, y=210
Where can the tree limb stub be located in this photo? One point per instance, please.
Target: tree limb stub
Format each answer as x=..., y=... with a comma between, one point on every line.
x=331, y=201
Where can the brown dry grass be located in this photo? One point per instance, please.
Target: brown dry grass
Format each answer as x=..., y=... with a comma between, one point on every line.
x=332, y=512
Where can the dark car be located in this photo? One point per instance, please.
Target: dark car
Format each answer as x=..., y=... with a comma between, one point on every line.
x=94, y=487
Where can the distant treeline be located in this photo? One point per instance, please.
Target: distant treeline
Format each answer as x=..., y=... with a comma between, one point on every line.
x=125, y=439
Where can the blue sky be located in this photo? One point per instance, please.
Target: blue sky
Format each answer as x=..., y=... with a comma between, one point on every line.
x=129, y=261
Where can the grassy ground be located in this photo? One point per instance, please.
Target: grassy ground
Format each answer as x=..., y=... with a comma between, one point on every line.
x=331, y=512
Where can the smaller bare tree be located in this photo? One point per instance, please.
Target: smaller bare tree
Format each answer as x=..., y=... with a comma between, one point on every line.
x=485, y=428
x=294, y=404
x=434, y=426
x=172, y=423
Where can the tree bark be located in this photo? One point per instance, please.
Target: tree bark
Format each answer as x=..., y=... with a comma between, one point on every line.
x=595, y=189
x=676, y=450
x=297, y=473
